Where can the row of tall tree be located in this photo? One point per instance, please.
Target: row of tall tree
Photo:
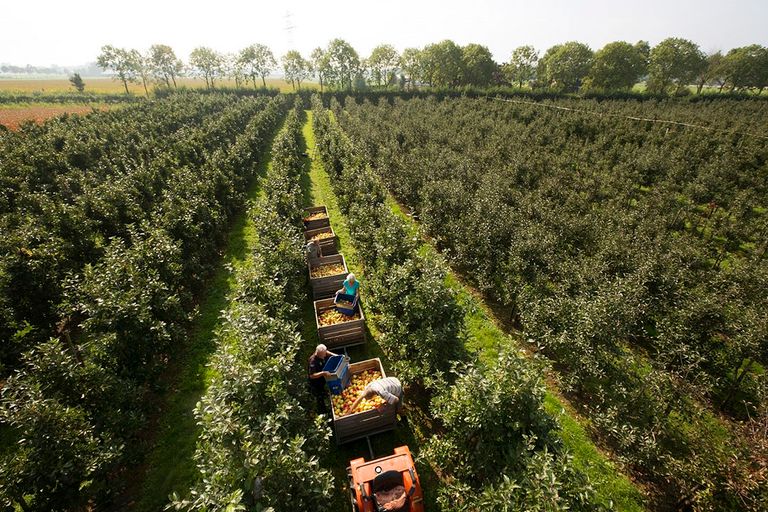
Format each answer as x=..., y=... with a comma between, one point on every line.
x=669, y=67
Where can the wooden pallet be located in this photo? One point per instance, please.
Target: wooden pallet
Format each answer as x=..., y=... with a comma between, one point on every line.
x=316, y=223
x=328, y=246
x=345, y=334
x=324, y=287
x=366, y=423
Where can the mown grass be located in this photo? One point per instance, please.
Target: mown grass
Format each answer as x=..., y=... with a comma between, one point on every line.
x=318, y=191
x=170, y=465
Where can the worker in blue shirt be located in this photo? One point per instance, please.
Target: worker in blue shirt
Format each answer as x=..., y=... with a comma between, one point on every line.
x=350, y=286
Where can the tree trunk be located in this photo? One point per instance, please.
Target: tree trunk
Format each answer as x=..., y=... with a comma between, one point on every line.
x=738, y=380
x=699, y=87
x=263, y=81
x=125, y=84
x=23, y=504
x=321, y=82
x=144, y=81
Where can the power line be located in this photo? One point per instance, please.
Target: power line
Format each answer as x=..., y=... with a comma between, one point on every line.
x=631, y=118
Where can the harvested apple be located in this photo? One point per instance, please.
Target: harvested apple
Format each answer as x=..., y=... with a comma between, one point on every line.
x=332, y=317
x=327, y=270
x=357, y=384
x=316, y=216
x=322, y=236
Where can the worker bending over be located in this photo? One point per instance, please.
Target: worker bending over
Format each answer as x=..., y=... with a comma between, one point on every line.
x=388, y=388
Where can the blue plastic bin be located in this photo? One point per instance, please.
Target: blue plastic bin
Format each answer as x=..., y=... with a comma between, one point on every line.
x=339, y=368
x=346, y=298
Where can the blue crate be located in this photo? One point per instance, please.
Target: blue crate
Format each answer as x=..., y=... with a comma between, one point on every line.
x=339, y=368
x=347, y=298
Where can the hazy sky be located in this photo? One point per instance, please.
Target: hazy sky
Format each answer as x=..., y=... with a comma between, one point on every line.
x=42, y=32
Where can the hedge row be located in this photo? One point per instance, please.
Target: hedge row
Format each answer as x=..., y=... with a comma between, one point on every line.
x=501, y=449
x=259, y=444
x=74, y=407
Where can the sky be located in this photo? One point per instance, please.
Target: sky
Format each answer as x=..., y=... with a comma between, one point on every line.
x=70, y=33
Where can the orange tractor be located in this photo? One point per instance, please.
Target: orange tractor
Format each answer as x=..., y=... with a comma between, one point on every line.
x=388, y=484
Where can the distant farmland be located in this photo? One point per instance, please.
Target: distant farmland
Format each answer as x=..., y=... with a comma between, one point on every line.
x=107, y=85
x=12, y=116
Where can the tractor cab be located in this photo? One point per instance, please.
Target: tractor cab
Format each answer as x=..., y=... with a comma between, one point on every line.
x=387, y=484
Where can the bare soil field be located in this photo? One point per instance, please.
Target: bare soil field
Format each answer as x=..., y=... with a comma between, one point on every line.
x=12, y=117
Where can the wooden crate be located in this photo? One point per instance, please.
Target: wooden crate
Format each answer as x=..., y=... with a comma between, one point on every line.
x=316, y=223
x=366, y=423
x=324, y=287
x=328, y=246
x=344, y=334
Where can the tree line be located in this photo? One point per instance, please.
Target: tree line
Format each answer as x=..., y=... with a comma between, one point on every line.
x=670, y=67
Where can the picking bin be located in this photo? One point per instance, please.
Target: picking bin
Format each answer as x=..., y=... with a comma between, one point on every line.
x=362, y=424
x=327, y=245
x=324, y=287
x=316, y=223
x=343, y=334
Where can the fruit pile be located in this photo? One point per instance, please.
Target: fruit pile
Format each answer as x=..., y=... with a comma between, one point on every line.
x=316, y=216
x=322, y=236
x=356, y=385
x=327, y=270
x=332, y=317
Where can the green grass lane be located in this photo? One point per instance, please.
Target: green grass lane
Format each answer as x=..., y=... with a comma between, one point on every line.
x=318, y=191
x=169, y=465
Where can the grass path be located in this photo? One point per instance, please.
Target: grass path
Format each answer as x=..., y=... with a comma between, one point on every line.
x=318, y=191
x=169, y=465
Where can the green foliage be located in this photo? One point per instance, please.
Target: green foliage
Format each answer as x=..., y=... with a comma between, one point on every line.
x=259, y=446
x=422, y=331
x=498, y=441
x=77, y=82
x=341, y=64
x=148, y=228
x=747, y=67
x=478, y=65
x=617, y=65
x=124, y=63
x=674, y=63
x=621, y=250
x=165, y=66
x=521, y=67
x=419, y=317
x=256, y=60
x=442, y=64
x=564, y=66
x=295, y=68
x=382, y=63
x=207, y=64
